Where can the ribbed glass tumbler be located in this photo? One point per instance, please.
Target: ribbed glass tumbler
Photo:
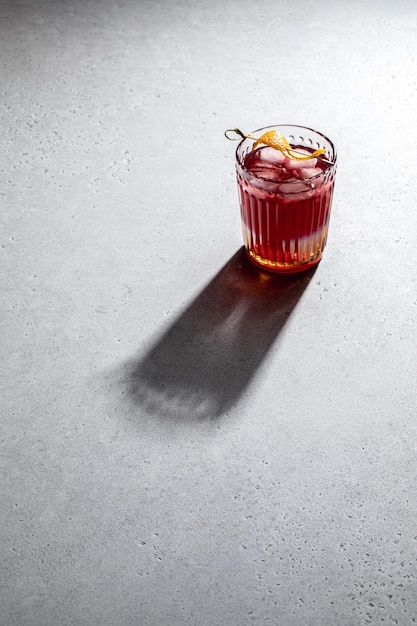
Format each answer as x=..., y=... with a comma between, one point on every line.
x=285, y=214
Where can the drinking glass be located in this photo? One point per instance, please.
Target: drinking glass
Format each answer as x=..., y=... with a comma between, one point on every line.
x=285, y=213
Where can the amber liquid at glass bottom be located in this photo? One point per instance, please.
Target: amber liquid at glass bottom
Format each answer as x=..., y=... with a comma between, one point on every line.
x=285, y=213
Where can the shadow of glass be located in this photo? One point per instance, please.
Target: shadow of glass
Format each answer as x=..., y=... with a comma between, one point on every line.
x=204, y=362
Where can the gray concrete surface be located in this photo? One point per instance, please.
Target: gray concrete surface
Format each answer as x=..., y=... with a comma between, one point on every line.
x=185, y=440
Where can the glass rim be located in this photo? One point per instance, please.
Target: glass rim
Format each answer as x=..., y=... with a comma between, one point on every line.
x=240, y=162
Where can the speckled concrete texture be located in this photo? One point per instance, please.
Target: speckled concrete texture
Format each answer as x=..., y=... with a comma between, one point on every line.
x=185, y=439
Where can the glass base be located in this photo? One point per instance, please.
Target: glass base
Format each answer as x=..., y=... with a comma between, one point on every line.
x=281, y=268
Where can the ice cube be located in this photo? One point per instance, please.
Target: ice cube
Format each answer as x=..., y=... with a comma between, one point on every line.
x=294, y=187
x=268, y=173
x=309, y=172
x=270, y=155
x=294, y=164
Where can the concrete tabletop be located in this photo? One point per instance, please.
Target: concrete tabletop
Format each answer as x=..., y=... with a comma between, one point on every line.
x=186, y=439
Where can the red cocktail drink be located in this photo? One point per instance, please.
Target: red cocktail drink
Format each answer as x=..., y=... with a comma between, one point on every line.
x=285, y=197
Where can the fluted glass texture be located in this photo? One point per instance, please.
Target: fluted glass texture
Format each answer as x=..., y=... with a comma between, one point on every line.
x=285, y=223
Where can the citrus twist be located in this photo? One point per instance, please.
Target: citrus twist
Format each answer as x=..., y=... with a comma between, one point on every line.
x=277, y=141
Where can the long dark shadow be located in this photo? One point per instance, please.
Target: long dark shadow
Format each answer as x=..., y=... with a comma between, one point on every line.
x=200, y=367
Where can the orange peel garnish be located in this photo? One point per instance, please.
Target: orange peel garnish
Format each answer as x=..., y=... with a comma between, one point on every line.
x=277, y=141
x=274, y=140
